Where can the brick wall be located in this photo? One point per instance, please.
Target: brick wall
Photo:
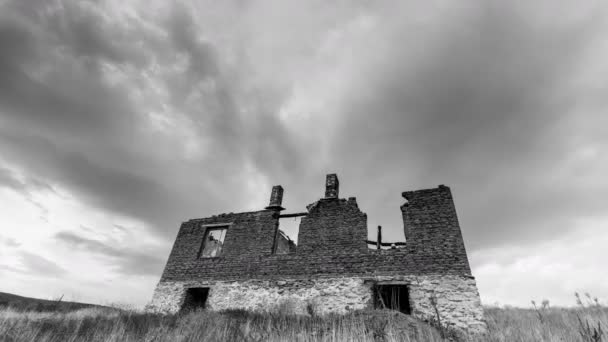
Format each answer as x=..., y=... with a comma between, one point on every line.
x=331, y=243
x=283, y=244
x=431, y=227
x=333, y=226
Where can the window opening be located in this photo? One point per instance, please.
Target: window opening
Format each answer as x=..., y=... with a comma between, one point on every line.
x=213, y=243
x=379, y=243
x=196, y=298
x=392, y=297
x=285, y=241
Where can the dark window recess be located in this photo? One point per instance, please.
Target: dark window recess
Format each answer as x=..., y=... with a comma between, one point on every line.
x=213, y=243
x=393, y=297
x=196, y=298
x=283, y=244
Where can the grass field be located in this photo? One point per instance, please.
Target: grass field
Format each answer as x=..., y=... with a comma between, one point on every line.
x=107, y=324
x=34, y=304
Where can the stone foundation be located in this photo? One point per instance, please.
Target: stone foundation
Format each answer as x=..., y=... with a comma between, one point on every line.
x=456, y=296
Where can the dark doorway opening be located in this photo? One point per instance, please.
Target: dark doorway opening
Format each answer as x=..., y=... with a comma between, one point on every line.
x=196, y=298
x=393, y=297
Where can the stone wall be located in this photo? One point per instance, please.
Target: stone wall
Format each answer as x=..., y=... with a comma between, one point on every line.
x=457, y=298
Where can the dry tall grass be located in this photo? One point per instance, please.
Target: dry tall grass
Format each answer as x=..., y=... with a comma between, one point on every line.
x=106, y=326
x=99, y=324
x=553, y=324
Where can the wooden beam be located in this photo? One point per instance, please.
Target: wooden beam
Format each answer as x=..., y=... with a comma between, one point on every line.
x=386, y=244
x=293, y=215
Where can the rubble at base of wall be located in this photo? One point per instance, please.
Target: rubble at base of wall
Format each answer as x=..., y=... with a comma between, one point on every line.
x=457, y=298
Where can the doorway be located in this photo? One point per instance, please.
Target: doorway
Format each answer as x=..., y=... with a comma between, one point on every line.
x=392, y=297
x=196, y=298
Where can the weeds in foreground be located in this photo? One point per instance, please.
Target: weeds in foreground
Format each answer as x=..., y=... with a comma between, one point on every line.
x=589, y=332
x=236, y=325
x=587, y=322
x=541, y=310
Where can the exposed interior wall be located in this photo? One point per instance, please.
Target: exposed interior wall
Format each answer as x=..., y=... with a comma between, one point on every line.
x=284, y=245
x=334, y=225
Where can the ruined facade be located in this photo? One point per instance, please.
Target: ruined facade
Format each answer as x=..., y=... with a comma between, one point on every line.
x=243, y=261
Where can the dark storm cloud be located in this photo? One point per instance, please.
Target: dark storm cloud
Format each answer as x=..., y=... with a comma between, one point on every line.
x=78, y=26
x=43, y=94
x=479, y=105
x=64, y=123
x=70, y=127
x=104, y=186
x=69, y=100
x=256, y=136
x=125, y=261
x=479, y=100
x=201, y=55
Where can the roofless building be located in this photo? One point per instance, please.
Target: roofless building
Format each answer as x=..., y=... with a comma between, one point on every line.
x=244, y=261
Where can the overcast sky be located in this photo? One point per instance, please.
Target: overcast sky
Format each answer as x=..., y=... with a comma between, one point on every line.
x=119, y=120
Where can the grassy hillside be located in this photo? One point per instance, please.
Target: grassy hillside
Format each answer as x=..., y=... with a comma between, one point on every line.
x=20, y=303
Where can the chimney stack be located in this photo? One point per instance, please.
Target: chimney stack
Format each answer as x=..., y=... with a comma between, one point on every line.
x=276, y=198
x=332, y=186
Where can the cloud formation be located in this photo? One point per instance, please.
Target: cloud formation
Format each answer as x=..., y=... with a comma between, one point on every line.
x=158, y=112
x=40, y=266
x=125, y=260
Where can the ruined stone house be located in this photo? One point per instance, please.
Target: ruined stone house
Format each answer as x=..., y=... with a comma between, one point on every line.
x=245, y=261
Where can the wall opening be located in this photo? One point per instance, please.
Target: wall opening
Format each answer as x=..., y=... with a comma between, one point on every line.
x=381, y=243
x=213, y=243
x=196, y=298
x=392, y=297
x=285, y=240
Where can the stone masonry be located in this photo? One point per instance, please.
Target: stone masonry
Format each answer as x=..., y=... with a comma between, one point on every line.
x=332, y=269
